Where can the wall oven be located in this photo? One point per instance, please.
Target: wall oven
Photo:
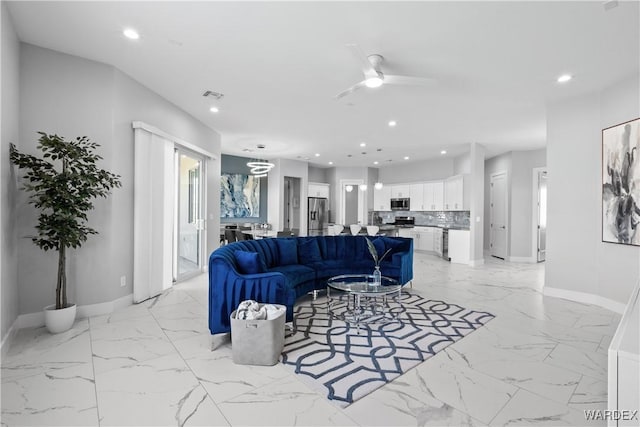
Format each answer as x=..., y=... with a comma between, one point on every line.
x=400, y=204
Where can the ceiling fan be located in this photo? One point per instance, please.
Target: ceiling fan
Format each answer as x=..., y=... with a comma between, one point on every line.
x=373, y=76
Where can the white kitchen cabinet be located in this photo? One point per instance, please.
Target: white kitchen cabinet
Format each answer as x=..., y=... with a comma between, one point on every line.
x=416, y=196
x=433, y=196
x=382, y=199
x=400, y=191
x=317, y=189
x=459, y=246
x=454, y=199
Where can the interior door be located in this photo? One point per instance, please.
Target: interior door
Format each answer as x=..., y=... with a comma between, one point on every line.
x=542, y=215
x=188, y=216
x=498, y=215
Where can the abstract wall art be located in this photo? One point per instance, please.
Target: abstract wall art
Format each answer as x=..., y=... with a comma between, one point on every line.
x=621, y=183
x=239, y=196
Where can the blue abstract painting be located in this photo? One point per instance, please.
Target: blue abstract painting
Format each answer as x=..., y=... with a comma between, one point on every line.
x=239, y=196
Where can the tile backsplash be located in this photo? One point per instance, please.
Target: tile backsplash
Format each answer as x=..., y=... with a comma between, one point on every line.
x=458, y=219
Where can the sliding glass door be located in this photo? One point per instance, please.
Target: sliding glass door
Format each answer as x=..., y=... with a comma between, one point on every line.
x=188, y=214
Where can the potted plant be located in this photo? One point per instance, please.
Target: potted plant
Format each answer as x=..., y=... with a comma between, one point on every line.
x=62, y=185
x=377, y=275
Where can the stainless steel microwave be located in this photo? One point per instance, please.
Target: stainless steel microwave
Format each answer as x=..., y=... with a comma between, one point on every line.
x=400, y=204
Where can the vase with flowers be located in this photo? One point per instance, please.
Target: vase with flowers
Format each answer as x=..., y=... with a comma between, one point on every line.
x=377, y=275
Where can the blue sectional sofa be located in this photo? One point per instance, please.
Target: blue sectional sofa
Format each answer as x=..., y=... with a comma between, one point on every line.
x=279, y=271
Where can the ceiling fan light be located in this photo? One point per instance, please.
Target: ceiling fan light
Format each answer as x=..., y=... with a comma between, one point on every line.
x=373, y=82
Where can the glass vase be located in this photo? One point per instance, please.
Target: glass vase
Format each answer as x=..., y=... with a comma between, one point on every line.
x=377, y=276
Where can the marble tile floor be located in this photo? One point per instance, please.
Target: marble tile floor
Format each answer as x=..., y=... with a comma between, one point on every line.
x=541, y=361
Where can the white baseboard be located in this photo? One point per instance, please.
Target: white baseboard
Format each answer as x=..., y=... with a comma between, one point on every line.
x=585, y=298
x=524, y=259
x=32, y=320
x=476, y=262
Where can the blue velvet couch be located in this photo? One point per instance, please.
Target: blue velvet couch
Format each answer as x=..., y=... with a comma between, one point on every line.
x=278, y=271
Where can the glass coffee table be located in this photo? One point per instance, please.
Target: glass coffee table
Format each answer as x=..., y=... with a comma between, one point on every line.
x=363, y=305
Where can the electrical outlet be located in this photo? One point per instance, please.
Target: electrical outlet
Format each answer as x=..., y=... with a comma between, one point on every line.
x=123, y=281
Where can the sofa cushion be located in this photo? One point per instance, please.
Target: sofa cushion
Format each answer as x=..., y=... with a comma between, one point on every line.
x=295, y=273
x=378, y=244
x=393, y=244
x=330, y=268
x=249, y=262
x=309, y=252
x=287, y=251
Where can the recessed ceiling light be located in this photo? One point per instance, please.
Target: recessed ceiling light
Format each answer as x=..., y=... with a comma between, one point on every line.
x=330, y=163
x=406, y=157
x=363, y=144
x=214, y=109
x=564, y=78
x=132, y=34
x=443, y=152
x=317, y=154
x=376, y=162
x=392, y=123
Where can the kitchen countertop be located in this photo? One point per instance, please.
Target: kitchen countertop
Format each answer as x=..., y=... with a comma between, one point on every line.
x=392, y=226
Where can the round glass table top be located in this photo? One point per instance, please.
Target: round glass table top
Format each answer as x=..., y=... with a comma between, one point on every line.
x=363, y=284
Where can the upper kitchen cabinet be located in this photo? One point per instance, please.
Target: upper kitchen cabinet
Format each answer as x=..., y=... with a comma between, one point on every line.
x=400, y=191
x=433, y=196
x=317, y=189
x=382, y=199
x=416, y=196
x=454, y=193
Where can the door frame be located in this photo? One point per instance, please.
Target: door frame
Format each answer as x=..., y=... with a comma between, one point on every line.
x=507, y=225
x=179, y=149
x=361, y=205
x=535, y=212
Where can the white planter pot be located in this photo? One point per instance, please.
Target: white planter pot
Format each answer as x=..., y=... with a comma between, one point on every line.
x=59, y=320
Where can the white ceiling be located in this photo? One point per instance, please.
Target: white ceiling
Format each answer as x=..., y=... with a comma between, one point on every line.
x=280, y=64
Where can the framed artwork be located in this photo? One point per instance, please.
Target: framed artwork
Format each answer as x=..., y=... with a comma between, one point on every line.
x=239, y=196
x=621, y=183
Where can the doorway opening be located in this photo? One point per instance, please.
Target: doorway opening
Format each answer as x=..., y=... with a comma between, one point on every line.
x=291, y=205
x=188, y=215
x=352, y=202
x=541, y=208
x=498, y=215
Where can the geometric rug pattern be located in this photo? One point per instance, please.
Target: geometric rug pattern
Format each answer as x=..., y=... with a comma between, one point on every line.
x=334, y=359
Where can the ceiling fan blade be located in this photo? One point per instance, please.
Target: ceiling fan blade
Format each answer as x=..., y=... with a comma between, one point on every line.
x=350, y=90
x=365, y=64
x=408, y=80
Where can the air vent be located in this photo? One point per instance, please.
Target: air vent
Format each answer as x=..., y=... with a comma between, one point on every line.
x=216, y=95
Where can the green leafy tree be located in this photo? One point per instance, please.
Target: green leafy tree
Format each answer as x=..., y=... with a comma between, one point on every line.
x=62, y=186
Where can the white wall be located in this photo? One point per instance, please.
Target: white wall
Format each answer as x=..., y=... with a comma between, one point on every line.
x=577, y=259
x=9, y=125
x=318, y=174
x=72, y=96
x=424, y=170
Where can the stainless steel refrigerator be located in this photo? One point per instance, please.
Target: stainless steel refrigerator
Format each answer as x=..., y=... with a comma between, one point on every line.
x=317, y=216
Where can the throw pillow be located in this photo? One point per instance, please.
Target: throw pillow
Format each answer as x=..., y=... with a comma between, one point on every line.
x=249, y=262
x=288, y=251
x=309, y=252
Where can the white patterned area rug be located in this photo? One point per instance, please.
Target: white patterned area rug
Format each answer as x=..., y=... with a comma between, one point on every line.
x=334, y=359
